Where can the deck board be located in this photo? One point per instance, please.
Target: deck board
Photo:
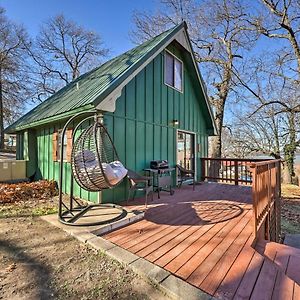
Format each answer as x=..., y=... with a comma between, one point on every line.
x=233, y=278
x=205, y=237
x=199, y=266
x=264, y=286
x=296, y=295
x=249, y=279
x=184, y=261
x=284, y=288
x=216, y=275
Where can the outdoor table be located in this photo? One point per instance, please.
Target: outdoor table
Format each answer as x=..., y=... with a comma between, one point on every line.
x=162, y=179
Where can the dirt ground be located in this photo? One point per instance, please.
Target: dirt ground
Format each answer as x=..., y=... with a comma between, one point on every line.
x=39, y=261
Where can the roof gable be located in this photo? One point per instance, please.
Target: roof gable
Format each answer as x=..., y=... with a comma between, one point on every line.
x=100, y=87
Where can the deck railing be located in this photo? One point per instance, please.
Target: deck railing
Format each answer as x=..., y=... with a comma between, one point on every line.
x=266, y=194
x=264, y=177
x=227, y=170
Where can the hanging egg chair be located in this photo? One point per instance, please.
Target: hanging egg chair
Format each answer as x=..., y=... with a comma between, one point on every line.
x=94, y=160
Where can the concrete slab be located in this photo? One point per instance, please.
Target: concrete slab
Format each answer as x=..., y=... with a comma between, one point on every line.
x=292, y=240
x=179, y=289
x=150, y=270
x=122, y=255
x=100, y=244
x=131, y=217
x=83, y=236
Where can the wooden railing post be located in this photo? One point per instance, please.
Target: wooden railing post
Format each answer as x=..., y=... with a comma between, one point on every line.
x=254, y=199
x=236, y=173
x=203, y=162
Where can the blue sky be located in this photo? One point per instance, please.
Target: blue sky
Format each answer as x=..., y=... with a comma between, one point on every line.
x=112, y=19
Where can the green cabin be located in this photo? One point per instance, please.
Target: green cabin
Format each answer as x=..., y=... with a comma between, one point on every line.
x=154, y=106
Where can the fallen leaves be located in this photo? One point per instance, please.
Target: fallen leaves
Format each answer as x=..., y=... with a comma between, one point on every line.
x=290, y=205
x=10, y=193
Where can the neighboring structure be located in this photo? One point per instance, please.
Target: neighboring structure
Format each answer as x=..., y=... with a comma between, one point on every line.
x=154, y=105
x=10, y=141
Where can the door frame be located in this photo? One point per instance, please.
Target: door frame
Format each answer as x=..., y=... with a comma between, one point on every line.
x=195, y=143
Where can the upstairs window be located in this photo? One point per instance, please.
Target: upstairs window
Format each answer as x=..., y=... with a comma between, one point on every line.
x=173, y=71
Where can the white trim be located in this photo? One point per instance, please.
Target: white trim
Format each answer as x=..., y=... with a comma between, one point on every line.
x=195, y=142
x=182, y=74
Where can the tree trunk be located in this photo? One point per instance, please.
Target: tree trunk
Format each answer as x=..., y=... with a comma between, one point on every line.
x=1, y=115
x=289, y=152
x=216, y=145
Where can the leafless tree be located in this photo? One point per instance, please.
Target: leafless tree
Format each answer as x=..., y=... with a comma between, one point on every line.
x=63, y=50
x=279, y=21
x=220, y=34
x=14, y=81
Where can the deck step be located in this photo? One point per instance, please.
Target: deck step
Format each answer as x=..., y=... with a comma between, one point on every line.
x=286, y=258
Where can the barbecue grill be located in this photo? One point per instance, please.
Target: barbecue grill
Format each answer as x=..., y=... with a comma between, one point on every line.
x=161, y=172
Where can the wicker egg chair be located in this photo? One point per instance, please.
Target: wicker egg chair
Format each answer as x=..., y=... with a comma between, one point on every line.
x=94, y=160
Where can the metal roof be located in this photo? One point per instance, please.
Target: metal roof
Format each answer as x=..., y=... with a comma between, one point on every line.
x=90, y=88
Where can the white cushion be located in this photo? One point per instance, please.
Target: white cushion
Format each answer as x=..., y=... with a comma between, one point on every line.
x=114, y=172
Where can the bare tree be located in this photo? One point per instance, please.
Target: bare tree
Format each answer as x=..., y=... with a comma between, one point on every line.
x=277, y=87
x=63, y=50
x=220, y=35
x=258, y=134
x=14, y=82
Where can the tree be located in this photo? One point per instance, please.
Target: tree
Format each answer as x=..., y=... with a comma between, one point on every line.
x=220, y=34
x=279, y=21
x=14, y=82
x=63, y=50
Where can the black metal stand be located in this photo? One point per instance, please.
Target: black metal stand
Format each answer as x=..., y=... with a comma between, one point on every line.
x=162, y=180
x=70, y=214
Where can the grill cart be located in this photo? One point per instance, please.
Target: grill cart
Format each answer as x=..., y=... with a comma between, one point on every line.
x=162, y=176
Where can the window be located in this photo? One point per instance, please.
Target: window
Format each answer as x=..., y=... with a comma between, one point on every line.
x=173, y=71
x=67, y=145
x=59, y=146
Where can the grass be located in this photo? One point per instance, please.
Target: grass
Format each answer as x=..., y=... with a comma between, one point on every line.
x=32, y=208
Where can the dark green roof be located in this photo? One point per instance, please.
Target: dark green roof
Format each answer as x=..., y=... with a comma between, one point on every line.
x=88, y=90
x=91, y=88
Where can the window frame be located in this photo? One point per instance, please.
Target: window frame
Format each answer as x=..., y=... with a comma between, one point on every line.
x=165, y=70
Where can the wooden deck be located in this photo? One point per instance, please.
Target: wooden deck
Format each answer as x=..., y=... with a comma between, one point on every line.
x=205, y=237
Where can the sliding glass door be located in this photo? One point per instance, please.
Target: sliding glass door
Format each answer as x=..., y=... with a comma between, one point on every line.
x=186, y=150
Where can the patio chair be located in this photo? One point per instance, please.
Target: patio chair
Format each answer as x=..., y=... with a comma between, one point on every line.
x=138, y=182
x=185, y=175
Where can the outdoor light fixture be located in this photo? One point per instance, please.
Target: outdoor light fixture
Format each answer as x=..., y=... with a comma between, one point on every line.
x=175, y=122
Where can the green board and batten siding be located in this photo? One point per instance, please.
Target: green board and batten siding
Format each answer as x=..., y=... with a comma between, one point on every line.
x=141, y=127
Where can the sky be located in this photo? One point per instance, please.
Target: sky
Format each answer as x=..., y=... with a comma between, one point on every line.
x=112, y=19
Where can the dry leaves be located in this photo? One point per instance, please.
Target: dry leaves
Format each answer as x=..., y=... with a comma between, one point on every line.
x=290, y=205
x=10, y=193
